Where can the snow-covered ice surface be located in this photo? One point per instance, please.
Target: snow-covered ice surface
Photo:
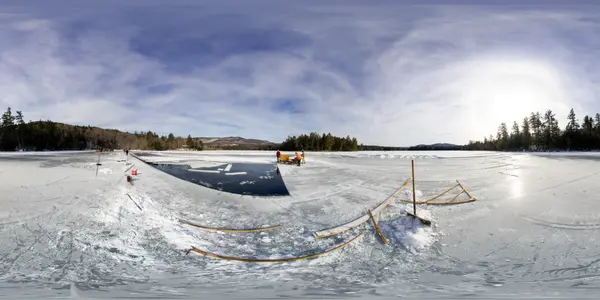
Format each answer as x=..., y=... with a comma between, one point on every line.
x=69, y=228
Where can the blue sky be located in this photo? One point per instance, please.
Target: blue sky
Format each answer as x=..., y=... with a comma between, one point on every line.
x=386, y=72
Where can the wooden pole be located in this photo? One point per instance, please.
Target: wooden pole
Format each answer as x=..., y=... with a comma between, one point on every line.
x=465, y=190
x=413, y=186
x=414, y=214
x=379, y=233
x=98, y=164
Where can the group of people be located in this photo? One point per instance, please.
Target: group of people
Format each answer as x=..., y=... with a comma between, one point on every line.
x=296, y=160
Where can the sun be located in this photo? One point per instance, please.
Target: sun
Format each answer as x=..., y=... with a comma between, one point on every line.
x=509, y=90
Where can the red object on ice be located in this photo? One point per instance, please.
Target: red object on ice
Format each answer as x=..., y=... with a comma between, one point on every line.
x=133, y=172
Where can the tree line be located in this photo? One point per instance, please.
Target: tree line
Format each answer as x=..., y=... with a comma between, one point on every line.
x=16, y=134
x=319, y=142
x=541, y=132
x=536, y=132
x=441, y=147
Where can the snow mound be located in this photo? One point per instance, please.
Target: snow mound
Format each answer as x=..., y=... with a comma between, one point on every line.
x=105, y=171
x=409, y=233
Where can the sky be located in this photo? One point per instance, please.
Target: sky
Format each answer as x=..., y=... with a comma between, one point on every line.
x=393, y=73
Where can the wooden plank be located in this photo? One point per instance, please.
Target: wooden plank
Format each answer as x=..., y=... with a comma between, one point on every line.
x=230, y=229
x=466, y=191
x=423, y=220
x=271, y=260
x=357, y=222
x=381, y=236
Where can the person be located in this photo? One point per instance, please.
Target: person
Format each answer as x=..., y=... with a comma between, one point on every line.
x=303, y=158
x=298, y=158
x=278, y=155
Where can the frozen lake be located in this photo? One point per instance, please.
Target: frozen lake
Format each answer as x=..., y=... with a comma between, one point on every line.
x=69, y=228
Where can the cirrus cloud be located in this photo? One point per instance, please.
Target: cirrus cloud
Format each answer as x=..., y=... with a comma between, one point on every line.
x=385, y=72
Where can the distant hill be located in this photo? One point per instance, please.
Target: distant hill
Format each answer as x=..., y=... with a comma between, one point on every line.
x=233, y=141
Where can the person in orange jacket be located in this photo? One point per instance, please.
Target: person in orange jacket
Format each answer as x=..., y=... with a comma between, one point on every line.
x=298, y=158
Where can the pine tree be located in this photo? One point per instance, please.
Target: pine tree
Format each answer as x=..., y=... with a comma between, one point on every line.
x=536, y=129
x=7, y=118
x=190, y=142
x=502, y=137
x=587, y=133
x=597, y=131
x=588, y=125
x=573, y=125
x=515, y=137
x=551, y=130
x=329, y=142
x=19, y=118
x=572, y=130
x=171, y=141
x=526, y=134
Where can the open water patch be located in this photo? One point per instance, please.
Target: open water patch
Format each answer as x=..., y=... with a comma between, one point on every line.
x=237, y=178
